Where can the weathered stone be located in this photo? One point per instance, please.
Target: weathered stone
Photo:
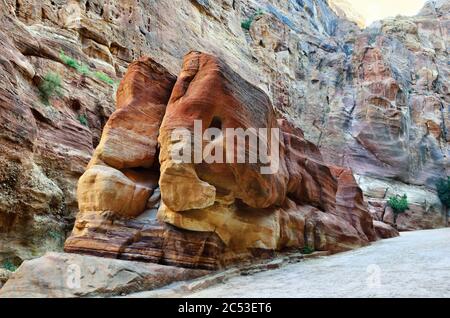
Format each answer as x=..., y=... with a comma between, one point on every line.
x=58, y=275
x=143, y=239
x=384, y=230
x=103, y=188
x=219, y=98
x=4, y=276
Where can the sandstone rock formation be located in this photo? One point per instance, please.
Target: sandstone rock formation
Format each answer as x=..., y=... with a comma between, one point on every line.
x=384, y=230
x=209, y=213
x=62, y=275
x=119, y=193
x=373, y=100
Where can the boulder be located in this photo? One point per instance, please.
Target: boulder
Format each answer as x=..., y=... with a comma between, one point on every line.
x=389, y=216
x=60, y=275
x=102, y=188
x=384, y=230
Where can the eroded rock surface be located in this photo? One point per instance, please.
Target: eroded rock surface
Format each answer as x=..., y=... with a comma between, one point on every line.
x=62, y=275
x=385, y=230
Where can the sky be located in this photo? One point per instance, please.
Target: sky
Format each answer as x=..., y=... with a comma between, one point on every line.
x=373, y=10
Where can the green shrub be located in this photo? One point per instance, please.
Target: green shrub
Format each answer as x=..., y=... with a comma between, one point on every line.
x=84, y=69
x=103, y=77
x=443, y=188
x=71, y=62
x=398, y=204
x=55, y=235
x=8, y=265
x=83, y=120
x=50, y=86
x=246, y=24
x=68, y=60
x=308, y=250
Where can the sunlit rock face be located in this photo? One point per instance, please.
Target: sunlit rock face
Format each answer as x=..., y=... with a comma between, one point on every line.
x=209, y=214
x=373, y=100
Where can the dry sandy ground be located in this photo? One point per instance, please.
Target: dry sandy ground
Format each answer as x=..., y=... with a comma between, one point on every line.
x=417, y=264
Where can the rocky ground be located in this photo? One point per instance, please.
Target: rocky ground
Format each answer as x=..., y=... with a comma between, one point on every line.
x=416, y=264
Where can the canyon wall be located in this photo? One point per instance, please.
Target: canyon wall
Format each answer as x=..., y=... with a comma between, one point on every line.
x=374, y=100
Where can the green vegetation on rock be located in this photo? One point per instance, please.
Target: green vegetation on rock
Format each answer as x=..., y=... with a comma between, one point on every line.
x=399, y=204
x=443, y=188
x=50, y=86
x=308, y=250
x=247, y=23
x=83, y=120
x=9, y=266
x=103, y=77
x=68, y=60
x=84, y=69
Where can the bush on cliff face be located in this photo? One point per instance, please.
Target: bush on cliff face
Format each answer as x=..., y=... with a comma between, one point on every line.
x=50, y=86
x=399, y=204
x=71, y=62
x=83, y=69
x=103, y=77
x=308, y=250
x=68, y=60
x=443, y=188
x=83, y=120
x=246, y=24
x=9, y=266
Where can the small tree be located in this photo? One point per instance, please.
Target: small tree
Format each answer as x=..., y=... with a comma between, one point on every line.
x=9, y=266
x=399, y=205
x=50, y=86
x=443, y=188
x=83, y=120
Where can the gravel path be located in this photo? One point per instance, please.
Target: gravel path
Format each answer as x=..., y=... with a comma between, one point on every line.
x=417, y=264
